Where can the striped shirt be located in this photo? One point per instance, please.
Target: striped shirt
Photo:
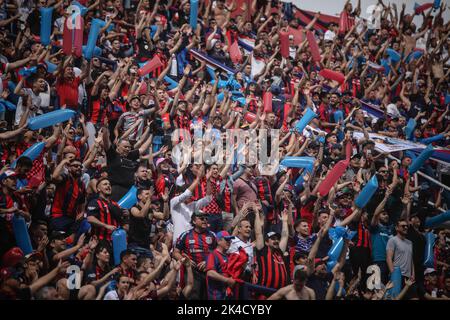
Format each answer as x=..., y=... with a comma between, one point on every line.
x=197, y=245
x=217, y=261
x=272, y=270
x=107, y=212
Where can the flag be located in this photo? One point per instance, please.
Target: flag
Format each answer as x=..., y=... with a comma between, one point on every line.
x=418, y=9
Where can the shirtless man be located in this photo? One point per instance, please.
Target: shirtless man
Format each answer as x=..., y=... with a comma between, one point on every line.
x=297, y=290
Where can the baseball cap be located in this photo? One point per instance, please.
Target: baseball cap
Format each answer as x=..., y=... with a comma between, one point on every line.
x=272, y=234
x=12, y=257
x=8, y=174
x=160, y=160
x=356, y=156
x=58, y=235
x=224, y=235
x=429, y=271
x=198, y=213
x=343, y=192
x=302, y=269
x=33, y=256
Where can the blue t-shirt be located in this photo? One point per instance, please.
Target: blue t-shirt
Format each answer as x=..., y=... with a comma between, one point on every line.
x=380, y=235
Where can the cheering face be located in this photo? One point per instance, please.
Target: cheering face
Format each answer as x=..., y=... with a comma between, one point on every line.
x=103, y=255
x=144, y=196
x=201, y=222
x=244, y=229
x=273, y=242
x=104, y=187
x=75, y=168
x=303, y=229
x=124, y=148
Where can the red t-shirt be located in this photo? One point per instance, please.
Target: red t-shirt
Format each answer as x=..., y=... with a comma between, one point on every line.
x=68, y=92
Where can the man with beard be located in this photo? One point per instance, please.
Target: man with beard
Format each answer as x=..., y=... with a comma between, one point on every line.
x=326, y=113
x=399, y=251
x=272, y=268
x=104, y=214
x=297, y=290
x=69, y=199
x=122, y=163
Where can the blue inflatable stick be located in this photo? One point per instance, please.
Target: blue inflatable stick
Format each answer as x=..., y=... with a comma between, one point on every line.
x=420, y=160
x=51, y=67
x=367, y=192
x=305, y=120
x=46, y=25
x=97, y=51
x=21, y=234
x=435, y=221
x=172, y=83
x=394, y=55
x=297, y=162
x=96, y=26
x=51, y=118
x=32, y=152
x=396, y=278
x=8, y=105
x=193, y=14
x=338, y=116
x=436, y=4
x=409, y=130
x=119, y=242
x=430, y=237
x=129, y=199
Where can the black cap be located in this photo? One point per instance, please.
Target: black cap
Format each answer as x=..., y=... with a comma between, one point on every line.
x=273, y=234
x=58, y=235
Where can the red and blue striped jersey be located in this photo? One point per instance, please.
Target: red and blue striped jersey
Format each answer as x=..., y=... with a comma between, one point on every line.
x=69, y=198
x=272, y=269
x=197, y=245
x=217, y=261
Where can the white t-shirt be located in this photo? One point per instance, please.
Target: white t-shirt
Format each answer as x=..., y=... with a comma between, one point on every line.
x=237, y=243
x=36, y=100
x=181, y=212
x=112, y=295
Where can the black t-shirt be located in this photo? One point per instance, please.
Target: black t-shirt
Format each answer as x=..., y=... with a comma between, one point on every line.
x=419, y=242
x=121, y=169
x=140, y=229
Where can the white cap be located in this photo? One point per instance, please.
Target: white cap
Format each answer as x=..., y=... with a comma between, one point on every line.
x=428, y=271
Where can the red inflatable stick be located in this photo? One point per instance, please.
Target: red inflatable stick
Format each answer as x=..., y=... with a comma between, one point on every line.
x=313, y=47
x=150, y=66
x=332, y=177
x=249, y=117
x=284, y=44
x=73, y=35
x=348, y=151
x=332, y=75
x=267, y=101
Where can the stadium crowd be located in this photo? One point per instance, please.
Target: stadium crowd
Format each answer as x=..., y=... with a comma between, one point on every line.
x=227, y=230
